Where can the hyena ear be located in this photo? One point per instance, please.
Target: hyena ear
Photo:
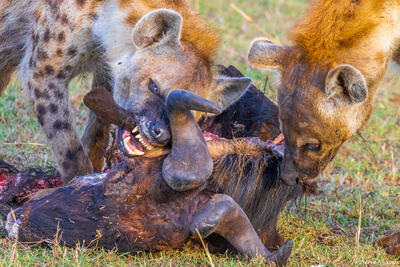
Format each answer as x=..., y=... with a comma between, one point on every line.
x=226, y=90
x=264, y=54
x=346, y=84
x=159, y=26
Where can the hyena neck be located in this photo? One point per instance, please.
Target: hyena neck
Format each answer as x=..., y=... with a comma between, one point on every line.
x=363, y=34
x=114, y=34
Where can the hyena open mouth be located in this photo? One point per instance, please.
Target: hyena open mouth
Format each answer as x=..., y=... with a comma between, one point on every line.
x=134, y=143
x=131, y=140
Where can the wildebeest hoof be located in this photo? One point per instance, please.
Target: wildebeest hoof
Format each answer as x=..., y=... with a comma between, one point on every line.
x=281, y=256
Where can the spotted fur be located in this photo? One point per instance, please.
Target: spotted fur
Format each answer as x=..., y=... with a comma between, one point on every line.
x=52, y=41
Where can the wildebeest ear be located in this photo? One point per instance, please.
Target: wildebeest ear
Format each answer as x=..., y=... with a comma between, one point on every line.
x=226, y=90
x=346, y=83
x=264, y=54
x=159, y=26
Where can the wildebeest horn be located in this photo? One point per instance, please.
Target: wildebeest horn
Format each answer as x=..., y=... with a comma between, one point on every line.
x=102, y=103
x=189, y=164
x=185, y=100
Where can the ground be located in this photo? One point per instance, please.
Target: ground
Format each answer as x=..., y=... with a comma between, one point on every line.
x=324, y=227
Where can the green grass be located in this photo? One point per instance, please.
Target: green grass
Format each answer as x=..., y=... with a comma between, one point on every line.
x=323, y=227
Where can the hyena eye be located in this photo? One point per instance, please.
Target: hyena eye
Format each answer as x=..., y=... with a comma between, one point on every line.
x=312, y=147
x=153, y=86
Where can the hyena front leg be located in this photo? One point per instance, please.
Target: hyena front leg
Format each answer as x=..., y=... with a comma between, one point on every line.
x=96, y=136
x=223, y=216
x=53, y=57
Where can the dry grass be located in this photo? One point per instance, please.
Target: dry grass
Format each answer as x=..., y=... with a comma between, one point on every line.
x=327, y=229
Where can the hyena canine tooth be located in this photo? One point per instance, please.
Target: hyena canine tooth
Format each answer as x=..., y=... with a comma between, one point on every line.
x=329, y=76
x=139, y=49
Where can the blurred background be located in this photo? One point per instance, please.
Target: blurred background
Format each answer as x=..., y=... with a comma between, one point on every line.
x=363, y=179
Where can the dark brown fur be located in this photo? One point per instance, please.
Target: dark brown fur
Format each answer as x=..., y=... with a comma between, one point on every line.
x=251, y=177
x=123, y=208
x=132, y=208
x=252, y=115
x=151, y=215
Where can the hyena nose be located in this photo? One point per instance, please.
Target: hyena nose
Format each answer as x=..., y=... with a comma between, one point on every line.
x=160, y=133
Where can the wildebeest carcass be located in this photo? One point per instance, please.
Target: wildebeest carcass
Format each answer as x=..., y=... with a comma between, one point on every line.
x=246, y=170
x=16, y=186
x=131, y=207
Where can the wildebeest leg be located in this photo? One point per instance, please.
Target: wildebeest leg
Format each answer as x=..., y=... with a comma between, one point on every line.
x=96, y=136
x=223, y=216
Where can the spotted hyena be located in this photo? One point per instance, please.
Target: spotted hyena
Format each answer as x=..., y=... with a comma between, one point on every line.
x=329, y=76
x=137, y=48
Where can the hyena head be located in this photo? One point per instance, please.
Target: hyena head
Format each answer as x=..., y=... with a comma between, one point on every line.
x=320, y=107
x=161, y=63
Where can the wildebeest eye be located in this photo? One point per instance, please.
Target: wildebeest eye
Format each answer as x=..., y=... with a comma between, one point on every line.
x=315, y=147
x=153, y=86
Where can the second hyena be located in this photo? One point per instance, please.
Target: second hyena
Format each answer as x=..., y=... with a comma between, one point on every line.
x=328, y=77
x=137, y=48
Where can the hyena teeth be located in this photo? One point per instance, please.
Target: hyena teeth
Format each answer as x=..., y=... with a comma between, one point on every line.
x=135, y=130
x=147, y=146
x=143, y=142
x=131, y=150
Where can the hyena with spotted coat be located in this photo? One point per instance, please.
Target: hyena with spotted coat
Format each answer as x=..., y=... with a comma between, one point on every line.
x=329, y=76
x=136, y=48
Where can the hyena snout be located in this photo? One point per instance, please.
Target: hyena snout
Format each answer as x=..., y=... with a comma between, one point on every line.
x=160, y=132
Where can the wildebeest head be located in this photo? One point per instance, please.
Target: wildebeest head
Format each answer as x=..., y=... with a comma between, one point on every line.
x=160, y=64
x=320, y=106
x=189, y=162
